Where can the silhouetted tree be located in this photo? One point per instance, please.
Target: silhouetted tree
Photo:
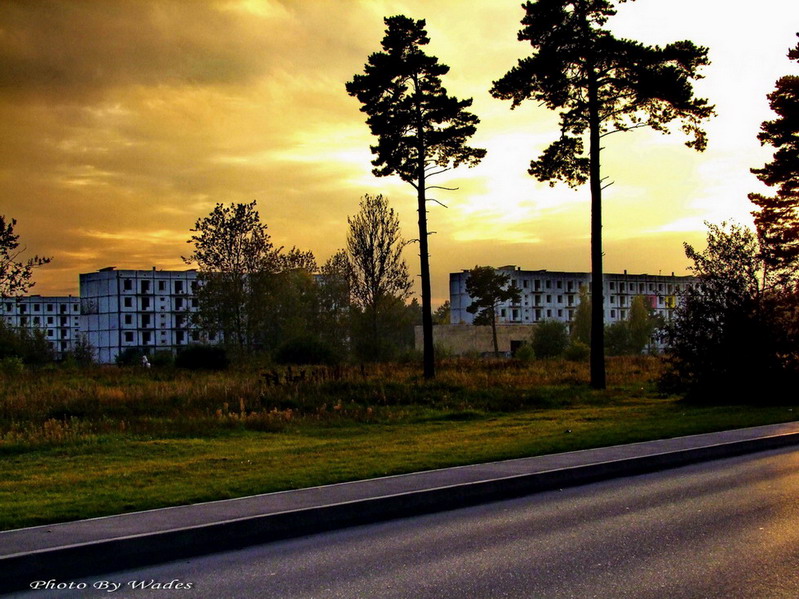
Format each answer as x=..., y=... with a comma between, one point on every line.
x=777, y=221
x=730, y=337
x=15, y=276
x=421, y=130
x=238, y=268
x=600, y=85
x=489, y=288
x=442, y=313
x=378, y=272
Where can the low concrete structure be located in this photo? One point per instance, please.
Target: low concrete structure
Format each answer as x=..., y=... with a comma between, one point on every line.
x=460, y=339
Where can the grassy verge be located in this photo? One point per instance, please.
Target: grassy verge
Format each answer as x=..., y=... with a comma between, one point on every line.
x=77, y=445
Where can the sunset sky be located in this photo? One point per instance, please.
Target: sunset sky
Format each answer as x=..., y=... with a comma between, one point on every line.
x=124, y=121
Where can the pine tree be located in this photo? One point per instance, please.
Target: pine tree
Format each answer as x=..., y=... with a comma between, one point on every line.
x=777, y=221
x=421, y=130
x=600, y=85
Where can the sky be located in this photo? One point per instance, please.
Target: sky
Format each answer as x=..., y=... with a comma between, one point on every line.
x=125, y=121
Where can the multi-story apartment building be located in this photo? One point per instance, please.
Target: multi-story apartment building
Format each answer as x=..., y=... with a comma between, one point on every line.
x=552, y=295
x=57, y=317
x=145, y=309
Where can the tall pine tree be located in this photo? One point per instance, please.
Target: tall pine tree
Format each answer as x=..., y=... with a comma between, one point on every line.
x=600, y=85
x=421, y=130
x=777, y=221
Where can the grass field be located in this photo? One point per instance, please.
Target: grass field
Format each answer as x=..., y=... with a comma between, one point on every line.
x=77, y=444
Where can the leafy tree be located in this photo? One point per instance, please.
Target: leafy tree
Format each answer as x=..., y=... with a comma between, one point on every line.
x=378, y=272
x=489, y=288
x=231, y=246
x=15, y=276
x=642, y=324
x=777, y=221
x=581, y=324
x=421, y=130
x=600, y=85
x=334, y=303
x=730, y=336
x=29, y=346
x=617, y=338
x=442, y=313
x=245, y=281
x=550, y=339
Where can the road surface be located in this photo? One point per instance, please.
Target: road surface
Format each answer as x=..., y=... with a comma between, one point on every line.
x=724, y=529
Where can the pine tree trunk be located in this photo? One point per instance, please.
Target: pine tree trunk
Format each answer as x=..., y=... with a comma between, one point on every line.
x=427, y=312
x=597, y=299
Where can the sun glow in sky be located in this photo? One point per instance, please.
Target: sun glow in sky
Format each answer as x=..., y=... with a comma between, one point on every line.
x=124, y=121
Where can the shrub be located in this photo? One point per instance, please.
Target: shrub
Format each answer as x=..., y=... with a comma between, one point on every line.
x=130, y=356
x=305, y=350
x=11, y=366
x=162, y=359
x=577, y=352
x=202, y=357
x=525, y=353
x=550, y=339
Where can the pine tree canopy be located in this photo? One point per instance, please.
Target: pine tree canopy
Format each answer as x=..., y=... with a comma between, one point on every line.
x=777, y=221
x=414, y=119
x=636, y=85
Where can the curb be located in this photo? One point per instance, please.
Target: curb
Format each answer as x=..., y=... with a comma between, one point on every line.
x=73, y=562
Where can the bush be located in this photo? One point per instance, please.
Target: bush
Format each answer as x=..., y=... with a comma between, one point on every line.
x=305, y=350
x=735, y=333
x=130, y=356
x=550, y=339
x=525, y=353
x=577, y=352
x=11, y=366
x=162, y=359
x=202, y=357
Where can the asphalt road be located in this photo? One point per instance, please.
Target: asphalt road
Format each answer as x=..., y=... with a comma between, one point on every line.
x=725, y=529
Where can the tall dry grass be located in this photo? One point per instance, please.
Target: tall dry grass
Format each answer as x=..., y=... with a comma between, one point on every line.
x=66, y=406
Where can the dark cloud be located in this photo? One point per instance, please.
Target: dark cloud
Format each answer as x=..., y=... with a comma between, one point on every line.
x=74, y=48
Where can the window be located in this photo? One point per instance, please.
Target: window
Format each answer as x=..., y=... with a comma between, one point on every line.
x=613, y=313
x=49, y=332
x=128, y=337
x=612, y=285
x=560, y=284
x=549, y=284
x=549, y=298
x=560, y=313
x=526, y=284
x=145, y=286
x=145, y=320
x=560, y=299
x=549, y=313
x=128, y=302
x=146, y=338
x=503, y=312
x=127, y=285
x=178, y=286
x=145, y=303
x=178, y=303
x=128, y=318
x=37, y=307
x=49, y=307
x=49, y=320
x=180, y=337
x=36, y=321
x=161, y=285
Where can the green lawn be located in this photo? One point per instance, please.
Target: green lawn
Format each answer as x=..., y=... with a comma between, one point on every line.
x=113, y=461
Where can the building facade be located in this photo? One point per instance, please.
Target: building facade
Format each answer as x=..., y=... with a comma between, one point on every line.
x=57, y=317
x=553, y=295
x=149, y=310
